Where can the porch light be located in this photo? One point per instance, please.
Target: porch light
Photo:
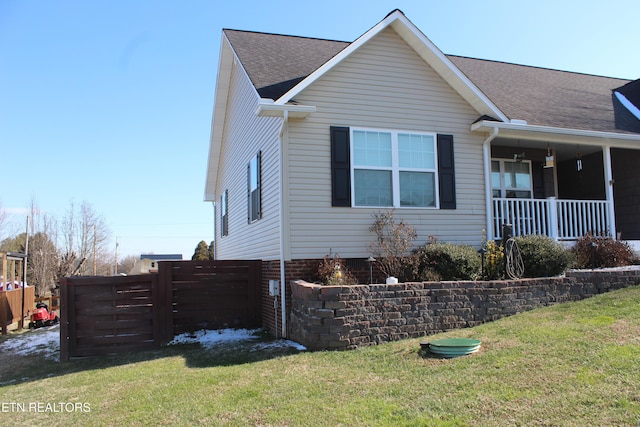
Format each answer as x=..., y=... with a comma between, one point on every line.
x=371, y=260
x=549, y=160
x=519, y=157
x=579, y=161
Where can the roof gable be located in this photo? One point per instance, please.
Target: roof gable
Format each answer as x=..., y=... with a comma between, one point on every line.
x=629, y=96
x=423, y=47
x=282, y=66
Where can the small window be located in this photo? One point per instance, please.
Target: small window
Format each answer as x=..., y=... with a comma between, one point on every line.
x=254, y=182
x=224, y=213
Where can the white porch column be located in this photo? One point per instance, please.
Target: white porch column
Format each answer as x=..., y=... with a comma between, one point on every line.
x=488, y=193
x=552, y=215
x=608, y=188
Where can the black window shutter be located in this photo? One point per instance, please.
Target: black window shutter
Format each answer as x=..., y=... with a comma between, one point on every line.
x=446, y=172
x=249, y=192
x=340, y=167
x=258, y=196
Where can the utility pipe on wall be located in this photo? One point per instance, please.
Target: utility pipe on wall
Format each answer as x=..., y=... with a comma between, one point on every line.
x=284, y=139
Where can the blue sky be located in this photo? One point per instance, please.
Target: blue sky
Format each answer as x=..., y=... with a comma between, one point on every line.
x=110, y=102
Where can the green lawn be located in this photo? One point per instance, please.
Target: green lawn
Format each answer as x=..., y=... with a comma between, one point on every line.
x=571, y=364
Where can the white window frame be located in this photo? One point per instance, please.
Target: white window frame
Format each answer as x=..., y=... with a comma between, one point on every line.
x=503, y=187
x=395, y=168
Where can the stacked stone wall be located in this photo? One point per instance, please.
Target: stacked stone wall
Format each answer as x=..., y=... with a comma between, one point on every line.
x=342, y=318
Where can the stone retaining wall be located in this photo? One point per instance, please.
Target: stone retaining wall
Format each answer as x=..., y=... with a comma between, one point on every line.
x=342, y=318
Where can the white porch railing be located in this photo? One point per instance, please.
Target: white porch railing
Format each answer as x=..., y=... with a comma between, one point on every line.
x=559, y=219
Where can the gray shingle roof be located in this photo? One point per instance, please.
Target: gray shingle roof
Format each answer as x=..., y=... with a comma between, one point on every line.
x=276, y=63
x=546, y=97
x=541, y=96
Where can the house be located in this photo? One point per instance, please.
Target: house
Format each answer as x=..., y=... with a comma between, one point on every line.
x=148, y=263
x=311, y=137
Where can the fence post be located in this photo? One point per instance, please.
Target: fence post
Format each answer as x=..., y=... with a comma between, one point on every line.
x=164, y=289
x=3, y=312
x=64, y=320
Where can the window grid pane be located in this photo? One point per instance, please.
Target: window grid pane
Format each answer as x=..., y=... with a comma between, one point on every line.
x=372, y=188
x=372, y=149
x=417, y=189
x=416, y=151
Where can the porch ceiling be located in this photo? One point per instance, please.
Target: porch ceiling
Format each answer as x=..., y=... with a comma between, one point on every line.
x=565, y=142
x=562, y=151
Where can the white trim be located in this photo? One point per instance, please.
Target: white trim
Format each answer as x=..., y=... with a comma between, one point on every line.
x=546, y=132
x=628, y=104
x=423, y=47
x=227, y=61
x=267, y=108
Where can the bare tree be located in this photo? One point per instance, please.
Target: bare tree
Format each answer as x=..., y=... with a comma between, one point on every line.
x=126, y=264
x=86, y=234
x=42, y=251
x=394, y=241
x=3, y=220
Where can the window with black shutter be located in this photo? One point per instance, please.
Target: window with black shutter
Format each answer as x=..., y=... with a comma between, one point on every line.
x=387, y=168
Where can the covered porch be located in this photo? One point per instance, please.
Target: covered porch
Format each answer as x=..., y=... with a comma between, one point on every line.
x=563, y=185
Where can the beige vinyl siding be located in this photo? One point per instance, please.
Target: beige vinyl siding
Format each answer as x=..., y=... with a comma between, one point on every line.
x=245, y=135
x=383, y=85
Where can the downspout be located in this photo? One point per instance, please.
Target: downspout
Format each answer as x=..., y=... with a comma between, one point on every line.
x=215, y=238
x=486, y=152
x=284, y=134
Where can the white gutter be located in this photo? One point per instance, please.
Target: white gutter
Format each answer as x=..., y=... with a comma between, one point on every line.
x=488, y=196
x=267, y=108
x=545, y=132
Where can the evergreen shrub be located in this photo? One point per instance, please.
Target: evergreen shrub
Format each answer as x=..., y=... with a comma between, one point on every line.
x=542, y=256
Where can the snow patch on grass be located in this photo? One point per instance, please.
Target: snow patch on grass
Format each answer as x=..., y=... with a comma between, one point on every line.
x=210, y=338
x=45, y=341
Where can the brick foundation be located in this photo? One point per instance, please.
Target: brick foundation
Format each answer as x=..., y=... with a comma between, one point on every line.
x=296, y=270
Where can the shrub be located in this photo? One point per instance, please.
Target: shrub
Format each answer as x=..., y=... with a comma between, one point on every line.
x=393, y=242
x=597, y=252
x=542, y=256
x=447, y=261
x=493, y=261
x=333, y=272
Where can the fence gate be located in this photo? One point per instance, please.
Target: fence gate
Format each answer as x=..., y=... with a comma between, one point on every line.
x=109, y=315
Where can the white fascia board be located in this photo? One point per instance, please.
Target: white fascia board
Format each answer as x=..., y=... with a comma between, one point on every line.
x=225, y=67
x=628, y=104
x=267, y=108
x=555, y=134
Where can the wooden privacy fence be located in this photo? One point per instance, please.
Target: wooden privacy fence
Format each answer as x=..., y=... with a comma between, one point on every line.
x=108, y=315
x=10, y=306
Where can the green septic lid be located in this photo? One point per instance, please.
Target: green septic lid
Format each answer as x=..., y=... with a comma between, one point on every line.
x=455, y=342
